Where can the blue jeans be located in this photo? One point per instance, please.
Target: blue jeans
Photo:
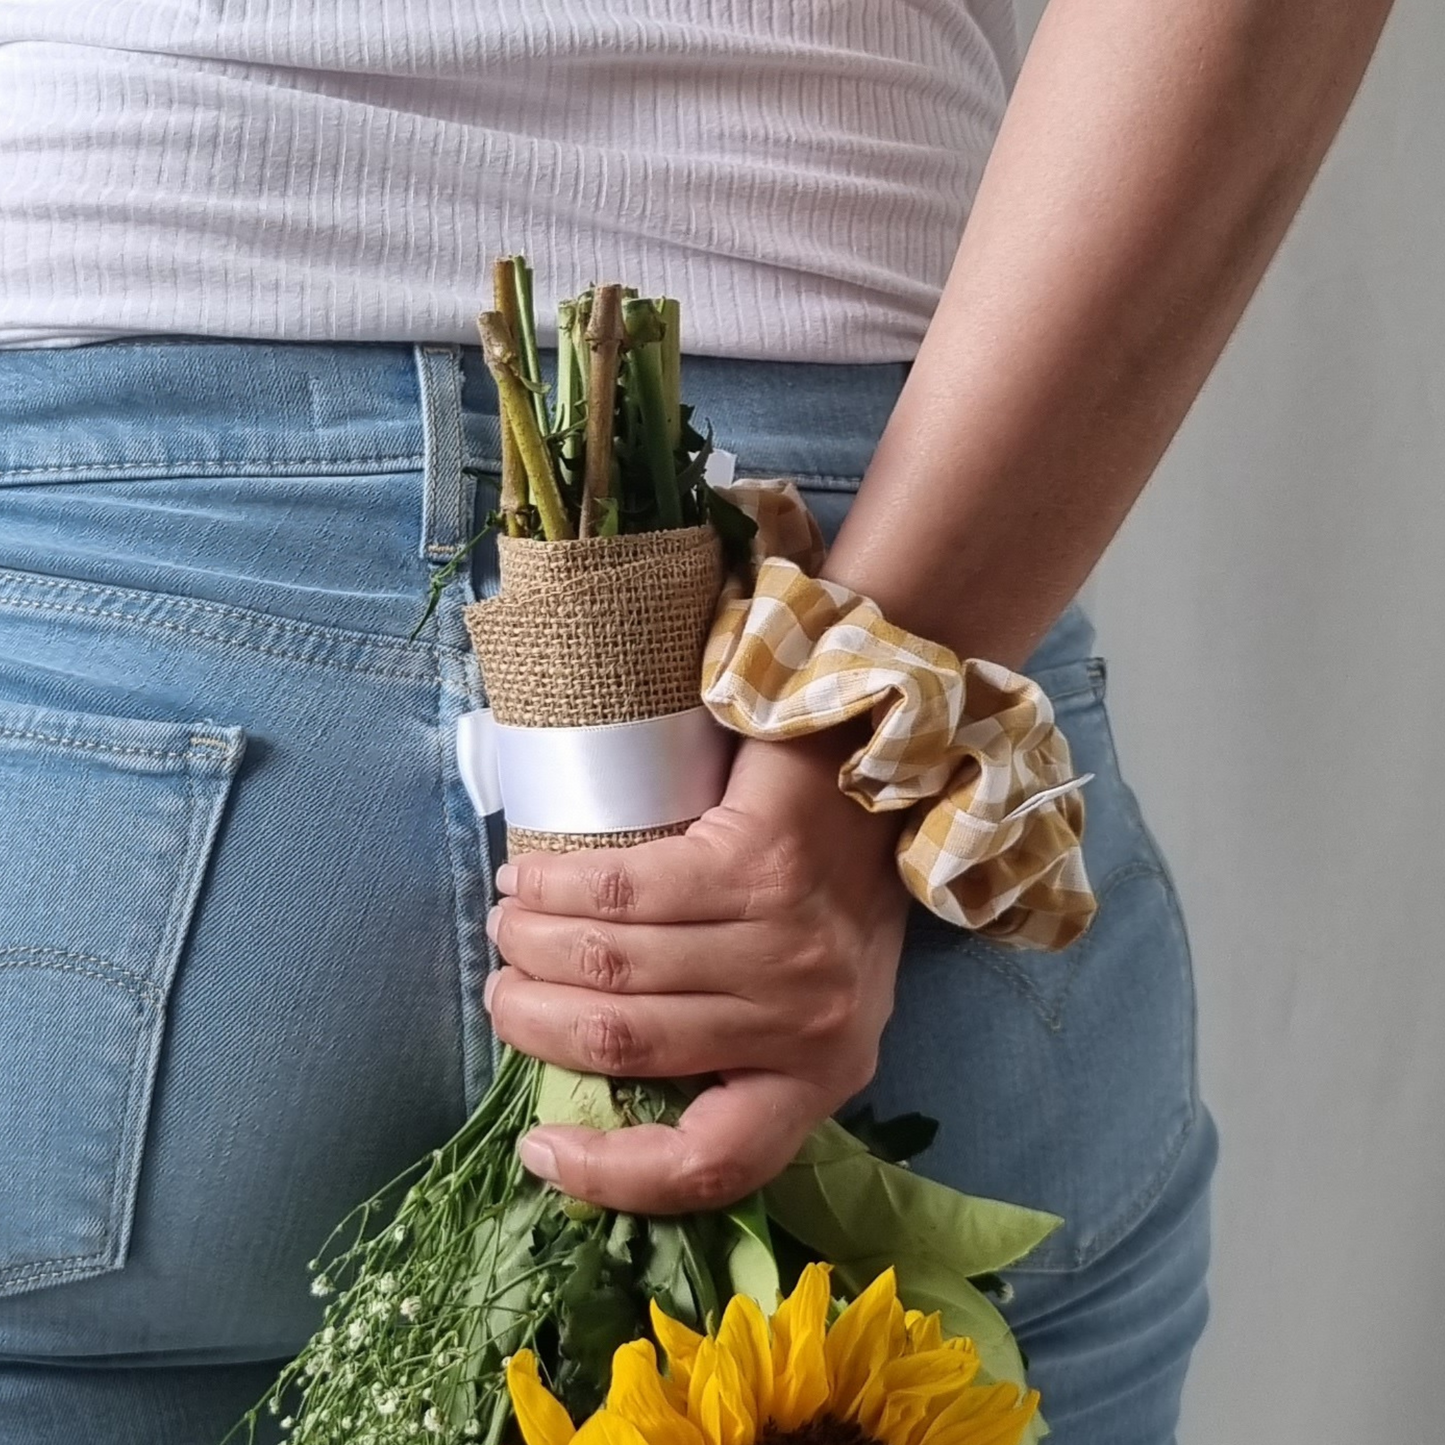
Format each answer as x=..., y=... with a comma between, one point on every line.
x=241, y=942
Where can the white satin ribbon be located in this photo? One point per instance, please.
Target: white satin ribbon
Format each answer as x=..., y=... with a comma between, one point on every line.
x=612, y=779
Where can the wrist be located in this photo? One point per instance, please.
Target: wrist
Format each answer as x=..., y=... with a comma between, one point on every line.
x=797, y=781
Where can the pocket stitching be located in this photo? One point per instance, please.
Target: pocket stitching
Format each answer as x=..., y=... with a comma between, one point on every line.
x=128, y=980
x=59, y=1268
x=203, y=816
x=398, y=658
x=1088, y=1251
x=998, y=961
x=114, y=749
x=361, y=639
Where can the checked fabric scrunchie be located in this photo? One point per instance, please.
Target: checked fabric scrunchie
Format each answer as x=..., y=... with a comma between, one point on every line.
x=969, y=748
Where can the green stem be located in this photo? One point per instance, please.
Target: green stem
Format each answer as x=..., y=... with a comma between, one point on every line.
x=644, y=326
x=671, y=310
x=500, y=354
x=527, y=337
x=569, y=386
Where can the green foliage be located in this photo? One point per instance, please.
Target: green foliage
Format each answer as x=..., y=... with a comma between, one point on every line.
x=658, y=454
x=865, y=1215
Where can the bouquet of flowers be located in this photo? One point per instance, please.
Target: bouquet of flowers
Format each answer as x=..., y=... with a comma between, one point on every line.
x=845, y=1303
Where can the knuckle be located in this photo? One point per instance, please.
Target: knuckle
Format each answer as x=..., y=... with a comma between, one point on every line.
x=599, y=963
x=607, y=1042
x=586, y=1178
x=611, y=889
x=710, y=1181
x=828, y=1019
x=780, y=875
x=531, y=883
x=505, y=935
x=499, y=1008
x=815, y=960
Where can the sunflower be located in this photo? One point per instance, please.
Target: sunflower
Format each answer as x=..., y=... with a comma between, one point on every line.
x=881, y=1375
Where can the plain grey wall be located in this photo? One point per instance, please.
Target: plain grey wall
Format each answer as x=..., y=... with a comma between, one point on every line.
x=1274, y=618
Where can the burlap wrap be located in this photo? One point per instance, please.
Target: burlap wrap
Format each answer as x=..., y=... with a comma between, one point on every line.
x=605, y=630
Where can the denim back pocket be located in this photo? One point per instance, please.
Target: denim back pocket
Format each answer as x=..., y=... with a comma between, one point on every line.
x=106, y=828
x=1062, y=1080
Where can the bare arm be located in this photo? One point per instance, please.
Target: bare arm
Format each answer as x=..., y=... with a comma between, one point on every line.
x=1149, y=164
x=1147, y=169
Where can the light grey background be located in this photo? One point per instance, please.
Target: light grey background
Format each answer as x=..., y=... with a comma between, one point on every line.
x=1273, y=615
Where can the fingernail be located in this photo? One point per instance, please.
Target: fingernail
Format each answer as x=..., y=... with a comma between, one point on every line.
x=507, y=878
x=494, y=923
x=538, y=1156
x=489, y=988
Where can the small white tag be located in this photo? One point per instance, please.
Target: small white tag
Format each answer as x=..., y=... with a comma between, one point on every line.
x=1030, y=805
x=718, y=470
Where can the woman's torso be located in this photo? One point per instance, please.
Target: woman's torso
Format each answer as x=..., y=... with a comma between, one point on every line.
x=798, y=174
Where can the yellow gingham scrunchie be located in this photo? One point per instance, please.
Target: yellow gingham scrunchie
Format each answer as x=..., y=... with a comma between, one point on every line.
x=969, y=747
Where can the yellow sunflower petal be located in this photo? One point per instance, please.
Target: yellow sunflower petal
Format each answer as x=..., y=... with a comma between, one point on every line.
x=716, y=1403
x=858, y=1344
x=800, y=1369
x=902, y=1400
x=925, y=1332
x=743, y=1335
x=984, y=1415
x=542, y=1418
x=605, y=1428
x=637, y=1395
x=679, y=1344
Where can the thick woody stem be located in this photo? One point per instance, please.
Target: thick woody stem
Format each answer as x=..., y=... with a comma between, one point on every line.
x=514, y=477
x=499, y=350
x=604, y=341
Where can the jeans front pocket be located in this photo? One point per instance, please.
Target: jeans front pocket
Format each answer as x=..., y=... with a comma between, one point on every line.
x=106, y=828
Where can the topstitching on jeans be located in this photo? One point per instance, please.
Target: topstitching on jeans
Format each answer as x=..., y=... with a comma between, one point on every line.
x=118, y=750
x=261, y=467
x=313, y=643
x=1004, y=963
x=83, y=965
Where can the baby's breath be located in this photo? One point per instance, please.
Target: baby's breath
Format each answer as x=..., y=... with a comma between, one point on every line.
x=423, y=1301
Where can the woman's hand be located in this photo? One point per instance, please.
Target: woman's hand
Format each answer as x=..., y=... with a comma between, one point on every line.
x=760, y=947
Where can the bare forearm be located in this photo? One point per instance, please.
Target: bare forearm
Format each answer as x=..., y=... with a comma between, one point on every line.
x=1148, y=167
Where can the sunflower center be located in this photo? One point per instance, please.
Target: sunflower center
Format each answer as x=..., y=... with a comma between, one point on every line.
x=821, y=1430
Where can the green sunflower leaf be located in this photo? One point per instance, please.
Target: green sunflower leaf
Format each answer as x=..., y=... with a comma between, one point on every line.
x=840, y=1199
x=750, y=1266
x=843, y=1202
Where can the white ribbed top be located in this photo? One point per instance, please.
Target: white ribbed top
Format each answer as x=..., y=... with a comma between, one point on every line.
x=797, y=172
